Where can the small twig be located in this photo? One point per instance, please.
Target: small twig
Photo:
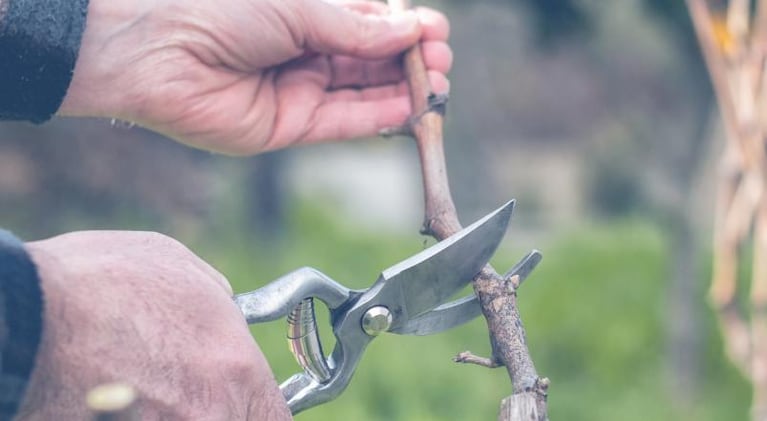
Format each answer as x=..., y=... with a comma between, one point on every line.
x=395, y=131
x=466, y=357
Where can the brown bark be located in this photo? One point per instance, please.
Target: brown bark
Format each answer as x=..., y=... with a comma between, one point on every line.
x=497, y=293
x=519, y=407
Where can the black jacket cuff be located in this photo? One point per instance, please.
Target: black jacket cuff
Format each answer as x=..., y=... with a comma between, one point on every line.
x=21, y=322
x=39, y=42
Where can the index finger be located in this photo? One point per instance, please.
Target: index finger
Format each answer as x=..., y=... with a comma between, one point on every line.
x=434, y=23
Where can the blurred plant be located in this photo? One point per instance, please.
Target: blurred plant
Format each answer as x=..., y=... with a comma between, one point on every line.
x=734, y=43
x=614, y=187
x=555, y=19
x=617, y=181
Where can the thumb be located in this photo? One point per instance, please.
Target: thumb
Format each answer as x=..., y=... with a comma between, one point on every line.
x=332, y=29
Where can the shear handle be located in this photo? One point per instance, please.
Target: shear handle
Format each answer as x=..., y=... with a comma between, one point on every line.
x=277, y=299
x=305, y=342
x=302, y=391
x=292, y=295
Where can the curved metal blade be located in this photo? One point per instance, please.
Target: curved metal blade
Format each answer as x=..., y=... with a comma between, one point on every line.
x=524, y=267
x=458, y=312
x=442, y=318
x=432, y=276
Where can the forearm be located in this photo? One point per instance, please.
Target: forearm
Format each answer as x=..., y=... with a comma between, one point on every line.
x=39, y=42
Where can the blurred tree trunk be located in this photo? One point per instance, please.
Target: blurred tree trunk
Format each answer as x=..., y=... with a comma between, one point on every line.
x=684, y=290
x=266, y=196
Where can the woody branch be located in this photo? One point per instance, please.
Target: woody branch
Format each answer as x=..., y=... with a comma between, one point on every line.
x=497, y=294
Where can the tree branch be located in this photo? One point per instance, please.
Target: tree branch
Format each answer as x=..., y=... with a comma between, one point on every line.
x=498, y=300
x=466, y=357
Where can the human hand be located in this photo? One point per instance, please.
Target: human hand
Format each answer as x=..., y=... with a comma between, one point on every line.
x=141, y=308
x=246, y=76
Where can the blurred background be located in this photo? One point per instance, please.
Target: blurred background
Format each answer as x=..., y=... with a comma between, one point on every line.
x=597, y=117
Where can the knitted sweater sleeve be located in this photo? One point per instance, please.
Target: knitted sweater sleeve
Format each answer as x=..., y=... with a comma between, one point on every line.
x=39, y=42
x=21, y=322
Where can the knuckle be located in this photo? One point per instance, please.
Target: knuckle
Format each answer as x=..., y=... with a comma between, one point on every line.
x=238, y=369
x=167, y=242
x=158, y=239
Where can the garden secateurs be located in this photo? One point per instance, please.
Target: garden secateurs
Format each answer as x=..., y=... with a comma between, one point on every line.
x=408, y=298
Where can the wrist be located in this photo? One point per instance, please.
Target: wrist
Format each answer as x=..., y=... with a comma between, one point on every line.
x=113, y=32
x=53, y=274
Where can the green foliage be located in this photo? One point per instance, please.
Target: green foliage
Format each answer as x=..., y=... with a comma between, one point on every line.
x=594, y=312
x=604, y=290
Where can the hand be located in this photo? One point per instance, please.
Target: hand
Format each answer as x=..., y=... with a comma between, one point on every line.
x=141, y=308
x=245, y=76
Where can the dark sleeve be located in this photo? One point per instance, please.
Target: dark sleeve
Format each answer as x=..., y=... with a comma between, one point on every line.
x=39, y=41
x=21, y=322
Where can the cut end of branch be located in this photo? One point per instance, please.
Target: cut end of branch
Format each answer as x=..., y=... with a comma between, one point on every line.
x=467, y=357
x=525, y=406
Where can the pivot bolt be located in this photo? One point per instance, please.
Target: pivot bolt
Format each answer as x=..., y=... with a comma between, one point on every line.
x=376, y=320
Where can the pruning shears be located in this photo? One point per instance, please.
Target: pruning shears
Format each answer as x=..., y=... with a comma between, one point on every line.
x=408, y=299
